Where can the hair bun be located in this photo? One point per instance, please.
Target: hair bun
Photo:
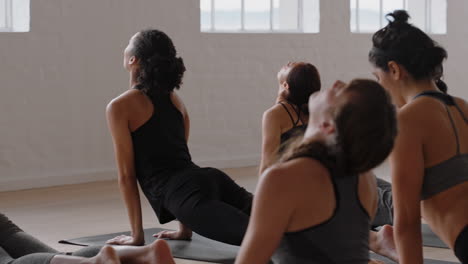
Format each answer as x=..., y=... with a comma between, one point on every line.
x=398, y=17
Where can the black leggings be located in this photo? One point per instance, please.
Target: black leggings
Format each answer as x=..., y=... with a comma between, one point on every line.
x=18, y=247
x=461, y=246
x=210, y=203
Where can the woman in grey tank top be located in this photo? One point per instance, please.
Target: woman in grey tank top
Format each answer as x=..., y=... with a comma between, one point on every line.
x=317, y=203
x=320, y=199
x=430, y=161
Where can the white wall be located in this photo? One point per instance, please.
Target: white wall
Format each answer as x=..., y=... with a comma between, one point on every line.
x=57, y=79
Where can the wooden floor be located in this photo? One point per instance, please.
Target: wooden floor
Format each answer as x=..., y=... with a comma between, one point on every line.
x=80, y=210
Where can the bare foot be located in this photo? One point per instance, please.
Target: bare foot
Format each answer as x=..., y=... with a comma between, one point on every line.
x=107, y=255
x=161, y=253
x=382, y=243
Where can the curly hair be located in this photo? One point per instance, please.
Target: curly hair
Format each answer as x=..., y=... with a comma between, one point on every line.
x=160, y=70
x=409, y=46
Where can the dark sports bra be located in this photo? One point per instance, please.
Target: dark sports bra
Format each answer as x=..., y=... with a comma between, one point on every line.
x=295, y=130
x=453, y=171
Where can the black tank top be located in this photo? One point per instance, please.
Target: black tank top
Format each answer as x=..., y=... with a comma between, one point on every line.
x=160, y=152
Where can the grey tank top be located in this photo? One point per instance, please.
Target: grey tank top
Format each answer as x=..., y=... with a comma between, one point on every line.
x=343, y=239
x=453, y=171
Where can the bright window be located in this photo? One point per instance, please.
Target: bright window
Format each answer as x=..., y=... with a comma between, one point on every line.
x=14, y=15
x=252, y=16
x=368, y=16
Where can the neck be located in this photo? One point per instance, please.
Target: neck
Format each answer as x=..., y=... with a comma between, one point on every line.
x=133, y=79
x=313, y=134
x=412, y=89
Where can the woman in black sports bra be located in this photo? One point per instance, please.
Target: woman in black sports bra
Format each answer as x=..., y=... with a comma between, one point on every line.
x=288, y=117
x=429, y=164
x=150, y=129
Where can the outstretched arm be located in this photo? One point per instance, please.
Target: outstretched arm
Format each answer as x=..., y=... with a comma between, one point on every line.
x=407, y=165
x=117, y=120
x=271, y=214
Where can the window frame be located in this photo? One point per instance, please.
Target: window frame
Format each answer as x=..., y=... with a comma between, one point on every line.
x=427, y=17
x=299, y=28
x=8, y=9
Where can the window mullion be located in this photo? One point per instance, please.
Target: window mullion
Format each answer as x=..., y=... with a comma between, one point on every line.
x=242, y=15
x=9, y=15
x=358, y=22
x=428, y=16
x=300, y=20
x=212, y=15
x=381, y=13
x=271, y=15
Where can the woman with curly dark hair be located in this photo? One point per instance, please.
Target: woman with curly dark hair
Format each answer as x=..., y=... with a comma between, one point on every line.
x=430, y=161
x=150, y=128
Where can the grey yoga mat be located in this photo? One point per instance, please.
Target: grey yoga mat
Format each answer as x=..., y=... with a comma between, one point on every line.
x=430, y=239
x=200, y=248
x=426, y=261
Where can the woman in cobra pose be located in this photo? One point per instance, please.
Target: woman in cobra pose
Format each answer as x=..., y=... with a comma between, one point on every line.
x=150, y=128
x=430, y=161
x=288, y=118
x=307, y=202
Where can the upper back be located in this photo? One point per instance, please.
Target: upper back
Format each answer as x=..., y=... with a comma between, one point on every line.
x=442, y=122
x=440, y=125
x=326, y=207
x=158, y=133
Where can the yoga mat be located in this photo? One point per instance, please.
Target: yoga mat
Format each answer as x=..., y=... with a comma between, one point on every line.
x=426, y=261
x=430, y=239
x=199, y=248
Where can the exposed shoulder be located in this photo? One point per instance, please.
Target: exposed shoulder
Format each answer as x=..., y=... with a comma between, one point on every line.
x=274, y=111
x=296, y=172
x=274, y=117
x=178, y=103
x=416, y=114
x=122, y=102
x=462, y=104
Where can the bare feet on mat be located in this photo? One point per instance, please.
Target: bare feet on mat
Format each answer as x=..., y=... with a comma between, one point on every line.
x=383, y=243
x=161, y=253
x=107, y=255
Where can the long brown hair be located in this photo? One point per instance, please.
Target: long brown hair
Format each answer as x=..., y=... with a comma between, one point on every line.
x=303, y=80
x=366, y=129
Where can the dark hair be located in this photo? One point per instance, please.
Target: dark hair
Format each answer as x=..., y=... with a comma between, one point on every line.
x=409, y=46
x=303, y=80
x=160, y=70
x=366, y=128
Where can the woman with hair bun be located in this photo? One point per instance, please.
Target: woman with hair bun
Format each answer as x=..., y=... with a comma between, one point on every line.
x=430, y=161
x=150, y=128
